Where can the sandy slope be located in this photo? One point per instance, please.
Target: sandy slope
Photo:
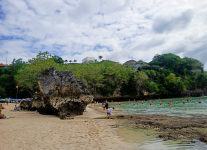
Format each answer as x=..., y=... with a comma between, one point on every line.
x=30, y=130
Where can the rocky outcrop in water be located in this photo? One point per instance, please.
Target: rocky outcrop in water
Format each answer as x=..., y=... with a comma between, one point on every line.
x=62, y=94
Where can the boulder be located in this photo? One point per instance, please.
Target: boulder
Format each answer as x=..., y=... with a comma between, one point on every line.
x=61, y=94
x=26, y=105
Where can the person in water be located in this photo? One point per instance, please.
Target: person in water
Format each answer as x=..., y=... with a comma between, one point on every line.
x=187, y=100
x=183, y=101
x=119, y=104
x=150, y=103
x=199, y=101
x=142, y=102
x=160, y=103
x=190, y=99
x=137, y=103
x=109, y=110
x=170, y=104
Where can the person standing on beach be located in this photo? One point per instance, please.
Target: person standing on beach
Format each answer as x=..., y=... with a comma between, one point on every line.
x=94, y=103
x=106, y=105
x=109, y=112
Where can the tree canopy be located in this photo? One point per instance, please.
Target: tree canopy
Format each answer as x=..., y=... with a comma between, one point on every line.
x=166, y=74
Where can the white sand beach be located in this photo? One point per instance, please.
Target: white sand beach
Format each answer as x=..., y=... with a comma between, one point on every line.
x=32, y=131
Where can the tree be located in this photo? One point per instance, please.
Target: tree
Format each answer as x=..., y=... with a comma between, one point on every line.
x=58, y=59
x=70, y=61
x=28, y=75
x=66, y=61
x=75, y=61
x=100, y=57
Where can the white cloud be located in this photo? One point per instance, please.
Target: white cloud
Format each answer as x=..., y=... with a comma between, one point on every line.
x=131, y=28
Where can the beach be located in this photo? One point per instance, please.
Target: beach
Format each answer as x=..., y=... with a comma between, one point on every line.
x=30, y=130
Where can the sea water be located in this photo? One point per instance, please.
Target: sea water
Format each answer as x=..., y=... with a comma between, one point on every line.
x=188, y=109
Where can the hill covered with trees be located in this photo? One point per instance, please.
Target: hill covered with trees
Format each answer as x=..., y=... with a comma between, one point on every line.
x=168, y=74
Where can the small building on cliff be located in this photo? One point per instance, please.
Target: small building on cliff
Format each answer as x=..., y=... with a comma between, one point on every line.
x=88, y=60
x=138, y=66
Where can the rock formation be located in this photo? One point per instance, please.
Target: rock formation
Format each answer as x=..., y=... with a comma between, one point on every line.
x=62, y=94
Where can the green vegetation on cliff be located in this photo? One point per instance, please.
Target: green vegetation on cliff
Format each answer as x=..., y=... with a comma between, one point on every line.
x=167, y=74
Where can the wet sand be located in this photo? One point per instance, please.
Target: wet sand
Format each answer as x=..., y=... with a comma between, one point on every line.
x=30, y=130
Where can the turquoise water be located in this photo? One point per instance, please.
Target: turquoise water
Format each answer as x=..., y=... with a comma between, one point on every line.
x=159, y=144
x=190, y=108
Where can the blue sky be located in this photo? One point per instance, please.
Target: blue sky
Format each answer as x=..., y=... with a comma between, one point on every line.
x=118, y=29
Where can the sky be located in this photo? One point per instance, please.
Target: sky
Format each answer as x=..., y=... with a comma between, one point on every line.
x=118, y=30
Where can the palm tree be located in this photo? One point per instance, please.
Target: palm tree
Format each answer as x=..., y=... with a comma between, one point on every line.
x=70, y=61
x=100, y=57
x=66, y=61
x=75, y=61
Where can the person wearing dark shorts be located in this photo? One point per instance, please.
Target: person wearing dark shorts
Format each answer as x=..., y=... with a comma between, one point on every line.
x=106, y=105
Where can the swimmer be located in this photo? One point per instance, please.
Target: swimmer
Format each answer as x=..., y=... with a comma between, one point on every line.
x=150, y=103
x=190, y=99
x=160, y=103
x=183, y=101
x=137, y=103
x=142, y=102
x=187, y=100
x=170, y=104
x=119, y=104
x=199, y=101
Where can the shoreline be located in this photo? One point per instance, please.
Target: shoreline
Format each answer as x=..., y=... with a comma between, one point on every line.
x=167, y=127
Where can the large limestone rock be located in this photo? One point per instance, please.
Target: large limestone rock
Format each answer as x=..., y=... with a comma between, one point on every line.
x=61, y=94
